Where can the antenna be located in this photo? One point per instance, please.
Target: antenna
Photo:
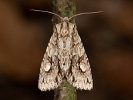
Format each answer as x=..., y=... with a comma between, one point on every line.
x=69, y=17
x=47, y=12
x=85, y=14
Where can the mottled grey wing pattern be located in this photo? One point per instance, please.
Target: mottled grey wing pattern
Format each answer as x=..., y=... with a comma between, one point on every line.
x=79, y=74
x=66, y=44
x=50, y=77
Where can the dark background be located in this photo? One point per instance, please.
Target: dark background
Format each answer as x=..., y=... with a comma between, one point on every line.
x=107, y=38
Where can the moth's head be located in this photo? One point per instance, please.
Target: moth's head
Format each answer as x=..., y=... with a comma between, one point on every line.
x=65, y=19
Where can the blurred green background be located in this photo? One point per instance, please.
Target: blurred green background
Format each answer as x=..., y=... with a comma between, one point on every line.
x=107, y=38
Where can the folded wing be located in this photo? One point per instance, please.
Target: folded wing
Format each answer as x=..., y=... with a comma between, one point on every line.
x=79, y=75
x=50, y=76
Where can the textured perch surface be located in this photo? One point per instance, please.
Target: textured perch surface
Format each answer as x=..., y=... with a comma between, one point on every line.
x=65, y=92
x=64, y=8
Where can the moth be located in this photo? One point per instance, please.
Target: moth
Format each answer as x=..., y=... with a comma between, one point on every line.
x=65, y=57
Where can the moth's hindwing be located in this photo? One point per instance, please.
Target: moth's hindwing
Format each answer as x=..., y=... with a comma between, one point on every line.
x=50, y=77
x=79, y=75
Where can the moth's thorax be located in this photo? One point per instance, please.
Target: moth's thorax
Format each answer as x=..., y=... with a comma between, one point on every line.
x=65, y=41
x=65, y=37
x=64, y=29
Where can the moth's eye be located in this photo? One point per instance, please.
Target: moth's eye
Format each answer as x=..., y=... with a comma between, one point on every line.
x=47, y=67
x=82, y=67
